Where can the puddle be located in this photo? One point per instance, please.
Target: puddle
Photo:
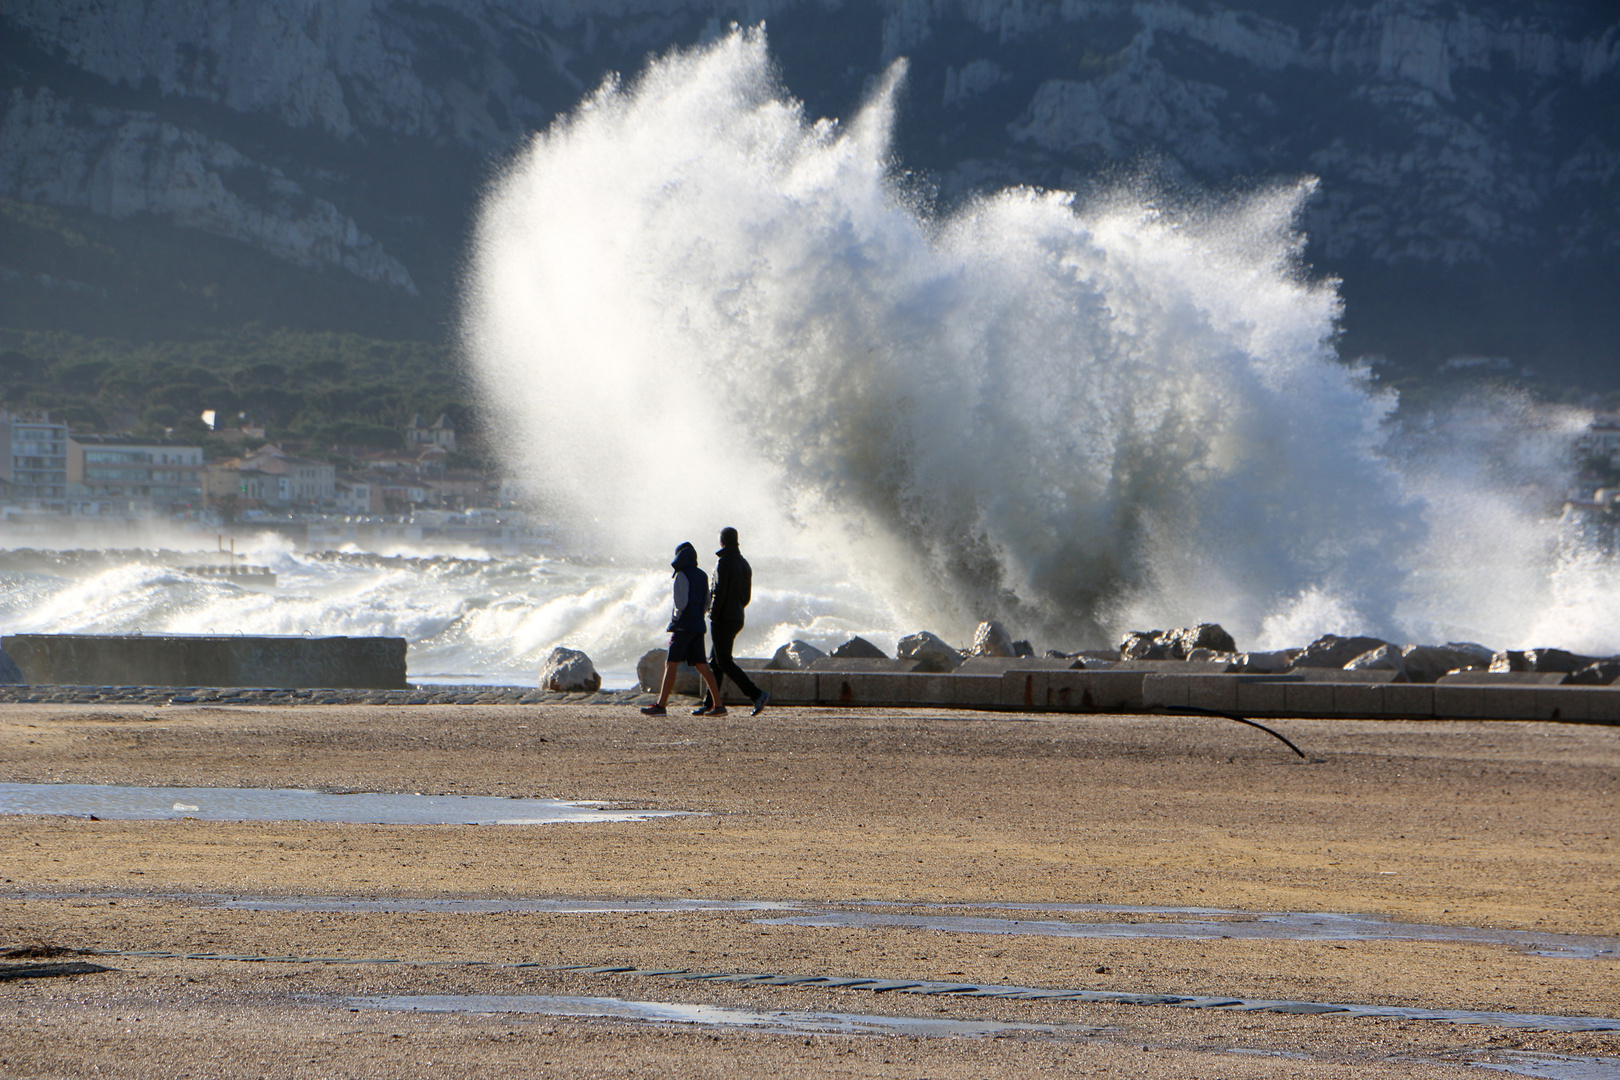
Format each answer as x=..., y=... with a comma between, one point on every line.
x=1552, y=1066
x=1288, y=926
x=291, y=804
x=493, y=907
x=797, y=1023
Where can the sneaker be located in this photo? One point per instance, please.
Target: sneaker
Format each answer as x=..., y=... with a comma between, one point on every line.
x=718, y=710
x=760, y=703
x=653, y=710
x=703, y=710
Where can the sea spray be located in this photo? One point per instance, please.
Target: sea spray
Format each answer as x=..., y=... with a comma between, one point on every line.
x=691, y=306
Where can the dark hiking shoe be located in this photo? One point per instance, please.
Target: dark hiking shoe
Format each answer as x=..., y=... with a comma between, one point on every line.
x=703, y=710
x=654, y=710
x=718, y=710
x=760, y=703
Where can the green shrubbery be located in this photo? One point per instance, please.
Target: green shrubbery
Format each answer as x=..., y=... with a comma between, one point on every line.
x=325, y=389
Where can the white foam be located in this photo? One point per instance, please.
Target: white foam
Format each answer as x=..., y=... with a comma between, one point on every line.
x=691, y=306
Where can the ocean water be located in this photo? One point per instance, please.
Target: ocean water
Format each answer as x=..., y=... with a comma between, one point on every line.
x=467, y=619
x=691, y=305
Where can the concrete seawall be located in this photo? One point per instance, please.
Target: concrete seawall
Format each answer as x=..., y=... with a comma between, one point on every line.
x=1284, y=695
x=148, y=660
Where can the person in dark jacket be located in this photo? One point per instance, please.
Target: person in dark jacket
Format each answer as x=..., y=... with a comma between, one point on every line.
x=733, y=586
x=686, y=629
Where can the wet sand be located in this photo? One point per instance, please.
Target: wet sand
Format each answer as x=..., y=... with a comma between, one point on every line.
x=1499, y=825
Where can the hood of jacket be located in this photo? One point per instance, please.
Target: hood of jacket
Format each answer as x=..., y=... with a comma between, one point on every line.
x=685, y=558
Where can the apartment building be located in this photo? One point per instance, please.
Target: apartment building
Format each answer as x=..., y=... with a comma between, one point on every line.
x=34, y=461
x=122, y=473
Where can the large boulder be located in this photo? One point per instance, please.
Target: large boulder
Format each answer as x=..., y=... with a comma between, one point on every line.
x=858, y=648
x=1142, y=645
x=1546, y=661
x=1180, y=642
x=992, y=639
x=10, y=673
x=1266, y=663
x=569, y=670
x=930, y=652
x=794, y=656
x=1557, y=660
x=1023, y=648
x=1383, y=658
x=650, y=674
x=1430, y=663
x=1333, y=651
x=1602, y=673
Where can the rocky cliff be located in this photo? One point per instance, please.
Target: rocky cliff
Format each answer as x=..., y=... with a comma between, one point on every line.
x=1468, y=155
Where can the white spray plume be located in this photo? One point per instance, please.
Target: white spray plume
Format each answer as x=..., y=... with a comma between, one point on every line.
x=691, y=306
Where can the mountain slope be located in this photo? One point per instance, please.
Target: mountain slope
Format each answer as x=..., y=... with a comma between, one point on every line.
x=315, y=163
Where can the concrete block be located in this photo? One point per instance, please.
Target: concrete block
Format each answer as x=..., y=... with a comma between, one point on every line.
x=862, y=665
x=787, y=687
x=1358, y=701
x=369, y=663
x=1061, y=690
x=882, y=688
x=1019, y=689
x=1217, y=693
x=1602, y=702
x=1560, y=703
x=1342, y=675
x=997, y=665
x=1067, y=691
x=1176, y=667
x=1114, y=691
x=1408, y=701
x=1261, y=697
x=1164, y=691
x=973, y=691
x=1308, y=699
x=1502, y=678
x=1459, y=701
x=1509, y=702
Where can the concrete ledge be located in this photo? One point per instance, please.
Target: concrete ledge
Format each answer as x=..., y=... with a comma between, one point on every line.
x=787, y=687
x=372, y=663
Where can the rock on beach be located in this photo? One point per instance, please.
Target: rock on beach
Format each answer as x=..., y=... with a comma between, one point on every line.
x=569, y=670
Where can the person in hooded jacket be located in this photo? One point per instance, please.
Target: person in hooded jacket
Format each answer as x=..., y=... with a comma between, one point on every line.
x=733, y=587
x=686, y=629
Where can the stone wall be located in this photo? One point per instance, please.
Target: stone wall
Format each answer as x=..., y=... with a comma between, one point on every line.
x=147, y=660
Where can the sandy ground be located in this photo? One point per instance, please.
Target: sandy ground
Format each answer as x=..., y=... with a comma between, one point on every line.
x=1500, y=825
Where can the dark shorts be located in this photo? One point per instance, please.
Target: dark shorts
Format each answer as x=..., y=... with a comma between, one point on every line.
x=687, y=646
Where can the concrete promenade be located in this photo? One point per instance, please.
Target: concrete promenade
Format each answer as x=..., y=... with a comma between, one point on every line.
x=1323, y=694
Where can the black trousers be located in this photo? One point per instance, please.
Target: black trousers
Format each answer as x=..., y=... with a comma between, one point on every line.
x=720, y=660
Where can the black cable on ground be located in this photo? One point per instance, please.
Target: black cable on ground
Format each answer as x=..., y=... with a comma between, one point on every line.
x=1187, y=710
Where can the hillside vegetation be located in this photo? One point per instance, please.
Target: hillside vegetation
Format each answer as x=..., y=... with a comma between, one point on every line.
x=324, y=389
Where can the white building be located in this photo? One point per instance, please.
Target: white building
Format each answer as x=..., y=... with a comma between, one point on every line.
x=34, y=461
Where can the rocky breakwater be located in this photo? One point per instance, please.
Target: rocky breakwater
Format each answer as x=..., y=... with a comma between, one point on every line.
x=1200, y=669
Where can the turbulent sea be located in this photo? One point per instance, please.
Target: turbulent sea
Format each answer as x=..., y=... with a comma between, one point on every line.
x=690, y=305
x=467, y=619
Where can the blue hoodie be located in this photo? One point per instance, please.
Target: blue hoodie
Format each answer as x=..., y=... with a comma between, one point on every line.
x=691, y=590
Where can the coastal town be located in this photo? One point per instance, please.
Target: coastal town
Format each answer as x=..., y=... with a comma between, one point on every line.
x=55, y=479
x=427, y=490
